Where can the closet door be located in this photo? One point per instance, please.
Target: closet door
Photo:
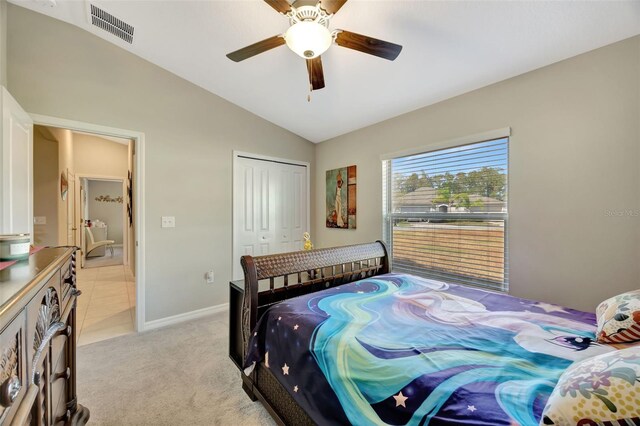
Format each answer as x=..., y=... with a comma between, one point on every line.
x=270, y=202
x=16, y=189
x=291, y=200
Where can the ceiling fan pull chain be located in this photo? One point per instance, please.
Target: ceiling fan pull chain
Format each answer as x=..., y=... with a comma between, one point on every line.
x=310, y=92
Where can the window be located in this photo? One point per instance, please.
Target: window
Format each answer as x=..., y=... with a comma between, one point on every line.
x=445, y=214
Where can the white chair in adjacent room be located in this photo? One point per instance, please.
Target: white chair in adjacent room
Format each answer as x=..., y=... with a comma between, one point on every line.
x=93, y=244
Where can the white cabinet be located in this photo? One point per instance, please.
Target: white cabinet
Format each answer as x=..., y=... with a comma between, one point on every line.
x=16, y=164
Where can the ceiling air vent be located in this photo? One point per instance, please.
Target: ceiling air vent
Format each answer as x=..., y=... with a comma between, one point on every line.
x=110, y=23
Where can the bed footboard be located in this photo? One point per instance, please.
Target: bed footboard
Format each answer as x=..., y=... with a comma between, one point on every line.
x=274, y=278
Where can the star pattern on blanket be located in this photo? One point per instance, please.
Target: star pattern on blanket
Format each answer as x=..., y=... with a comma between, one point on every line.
x=285, y=369
x=295, y=388
x=295, y=327
x=400, y=399
x=548, y=307
x=471, y=408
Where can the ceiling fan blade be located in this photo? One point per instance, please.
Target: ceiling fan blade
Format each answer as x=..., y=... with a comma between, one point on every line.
x=256, y=48
x=316, y=75
x=281, y=6
x=372, y=46
x=332, y=6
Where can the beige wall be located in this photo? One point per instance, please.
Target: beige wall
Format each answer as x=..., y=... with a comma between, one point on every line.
x=95, y=156
x=46, y=189
x=107, y=212
x=574, y=154
x=3, y=42
x=65, y=164
x=60, y=70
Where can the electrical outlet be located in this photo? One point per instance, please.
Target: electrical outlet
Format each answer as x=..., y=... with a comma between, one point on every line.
x=168, y=222
x=210, y=277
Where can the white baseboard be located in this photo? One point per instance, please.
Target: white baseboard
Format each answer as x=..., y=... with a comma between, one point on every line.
x=187, y=316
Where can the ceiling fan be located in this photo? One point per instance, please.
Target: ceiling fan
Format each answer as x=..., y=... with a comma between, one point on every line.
x=309, y=37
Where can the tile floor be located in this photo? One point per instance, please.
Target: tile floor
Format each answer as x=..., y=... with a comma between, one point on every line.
x=106, y=260
x=106, y=307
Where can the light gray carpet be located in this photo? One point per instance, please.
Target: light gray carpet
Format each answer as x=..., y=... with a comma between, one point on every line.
x=179, y=375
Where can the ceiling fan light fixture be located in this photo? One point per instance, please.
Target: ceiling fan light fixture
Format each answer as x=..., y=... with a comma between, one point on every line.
x=308, y=39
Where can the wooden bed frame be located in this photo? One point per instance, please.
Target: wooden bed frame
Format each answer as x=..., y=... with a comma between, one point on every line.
x=284, y=276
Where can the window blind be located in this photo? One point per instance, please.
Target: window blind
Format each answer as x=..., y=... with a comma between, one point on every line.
x=445, y=213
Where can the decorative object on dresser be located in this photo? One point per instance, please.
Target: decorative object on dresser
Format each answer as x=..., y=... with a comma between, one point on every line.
x=14, y=247
x=38, y=342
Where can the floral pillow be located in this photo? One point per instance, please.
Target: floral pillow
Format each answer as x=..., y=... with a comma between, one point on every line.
x=619, y=318
x=604, y=388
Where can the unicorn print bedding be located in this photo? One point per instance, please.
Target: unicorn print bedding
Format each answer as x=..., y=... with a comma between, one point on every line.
x=402, y=350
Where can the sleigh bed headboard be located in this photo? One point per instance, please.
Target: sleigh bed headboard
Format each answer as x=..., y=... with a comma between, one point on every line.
x=273, y=278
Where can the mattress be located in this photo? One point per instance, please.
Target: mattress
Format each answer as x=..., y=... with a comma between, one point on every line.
x=403, y=350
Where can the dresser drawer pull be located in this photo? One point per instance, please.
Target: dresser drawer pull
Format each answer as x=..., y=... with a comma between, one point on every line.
x=65, y=332
x=9, y=391
x=44, y=344
x=63, y=375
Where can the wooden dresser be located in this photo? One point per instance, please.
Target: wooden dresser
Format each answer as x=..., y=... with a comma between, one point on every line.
x=38, y=341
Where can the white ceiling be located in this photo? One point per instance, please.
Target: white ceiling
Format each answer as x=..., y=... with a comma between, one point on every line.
x=450, y=47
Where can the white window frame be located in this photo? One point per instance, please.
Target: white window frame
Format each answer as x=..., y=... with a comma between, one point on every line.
x=388, y=215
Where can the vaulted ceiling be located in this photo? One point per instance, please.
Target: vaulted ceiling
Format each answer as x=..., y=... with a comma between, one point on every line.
x=450, y=47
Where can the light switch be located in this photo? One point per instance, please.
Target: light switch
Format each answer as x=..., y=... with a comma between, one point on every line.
x=168, y=221
x=40, y=220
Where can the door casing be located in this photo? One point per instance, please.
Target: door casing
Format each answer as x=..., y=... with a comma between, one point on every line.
x=138, y=189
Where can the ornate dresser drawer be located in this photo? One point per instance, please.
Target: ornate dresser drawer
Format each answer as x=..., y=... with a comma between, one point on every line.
x=38, y=382
x=13, y=368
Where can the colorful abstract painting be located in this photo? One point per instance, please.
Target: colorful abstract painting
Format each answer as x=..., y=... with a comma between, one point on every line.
x=341, y=198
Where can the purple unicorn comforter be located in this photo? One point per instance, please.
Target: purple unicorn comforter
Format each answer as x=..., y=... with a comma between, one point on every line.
x=402, y=350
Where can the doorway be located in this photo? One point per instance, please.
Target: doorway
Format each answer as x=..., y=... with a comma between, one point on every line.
x=106, y=282
x=271, y=207
x=103, y=210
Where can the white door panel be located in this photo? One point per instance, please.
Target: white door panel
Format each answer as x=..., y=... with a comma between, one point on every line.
x=270, y=208
x=247, y=207
x=16, y=192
